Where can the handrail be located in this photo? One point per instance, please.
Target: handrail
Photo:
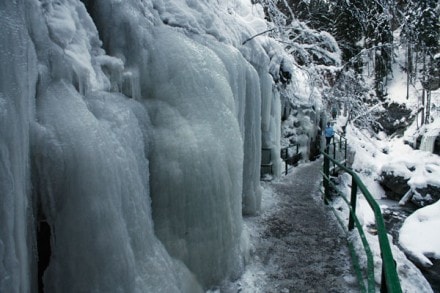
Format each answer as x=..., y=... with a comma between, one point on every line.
x=390, y=280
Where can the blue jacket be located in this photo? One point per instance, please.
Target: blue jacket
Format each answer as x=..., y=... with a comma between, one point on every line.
x=329, y=132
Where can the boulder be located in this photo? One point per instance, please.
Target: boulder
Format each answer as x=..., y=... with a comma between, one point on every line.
x=437, y=146
x=397, y=186
x=429, y=195
x=395, y=119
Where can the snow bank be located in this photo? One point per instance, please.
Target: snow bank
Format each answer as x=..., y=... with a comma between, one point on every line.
x=410, y=277
x=417, y=234
x=421, y=168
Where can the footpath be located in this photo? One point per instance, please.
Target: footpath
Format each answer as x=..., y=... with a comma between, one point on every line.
x=298, y=245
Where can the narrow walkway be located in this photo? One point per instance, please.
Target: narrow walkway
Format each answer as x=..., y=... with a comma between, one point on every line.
x=301, y=240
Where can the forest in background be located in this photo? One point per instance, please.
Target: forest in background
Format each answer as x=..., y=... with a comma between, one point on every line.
x=367, y=34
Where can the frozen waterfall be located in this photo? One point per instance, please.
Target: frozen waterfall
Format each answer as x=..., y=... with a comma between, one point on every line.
x=427, y=143
x=90, y=172
x=133, y=130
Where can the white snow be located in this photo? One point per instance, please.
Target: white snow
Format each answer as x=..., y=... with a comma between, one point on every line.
x=419, y=234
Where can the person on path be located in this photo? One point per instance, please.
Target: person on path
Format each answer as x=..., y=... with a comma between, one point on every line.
x=329, y=133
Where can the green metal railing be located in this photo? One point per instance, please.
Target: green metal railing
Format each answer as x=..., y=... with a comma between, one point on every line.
x=390, y=281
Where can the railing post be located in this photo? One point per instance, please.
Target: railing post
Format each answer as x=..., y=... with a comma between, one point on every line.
x=383, y=281
x=354, y=188
x=326, y=178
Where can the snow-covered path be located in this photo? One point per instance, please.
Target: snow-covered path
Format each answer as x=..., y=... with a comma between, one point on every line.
x=297, y=243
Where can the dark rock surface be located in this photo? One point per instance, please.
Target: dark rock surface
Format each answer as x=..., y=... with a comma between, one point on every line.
x=432, y=274
x=395, y=119
x=396, y=187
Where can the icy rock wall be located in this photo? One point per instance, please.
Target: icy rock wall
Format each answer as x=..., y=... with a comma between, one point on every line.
x=91, y=172
x=214, y=25
x=89, y=166
x=18, y=75
x=190, y=139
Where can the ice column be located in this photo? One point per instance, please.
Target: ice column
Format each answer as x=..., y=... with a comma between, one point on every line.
x=17, y=82
x=245, y=84
x=270, y=119
x=196, y=157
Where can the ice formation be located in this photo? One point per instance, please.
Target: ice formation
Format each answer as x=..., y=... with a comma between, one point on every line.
x=18, y=76
x=133, y=130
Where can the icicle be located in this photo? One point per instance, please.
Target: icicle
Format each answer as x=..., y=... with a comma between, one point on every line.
x=112, y=67
x=79, y=80
x=130, y=84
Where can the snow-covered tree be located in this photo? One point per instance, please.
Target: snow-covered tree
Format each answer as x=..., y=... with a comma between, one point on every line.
x=421, y=34
x=348, y=31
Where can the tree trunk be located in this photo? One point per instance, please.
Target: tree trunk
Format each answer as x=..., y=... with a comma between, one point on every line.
x=428, y=106
x=423, y=91
x=423, y=108
x=408, y=69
